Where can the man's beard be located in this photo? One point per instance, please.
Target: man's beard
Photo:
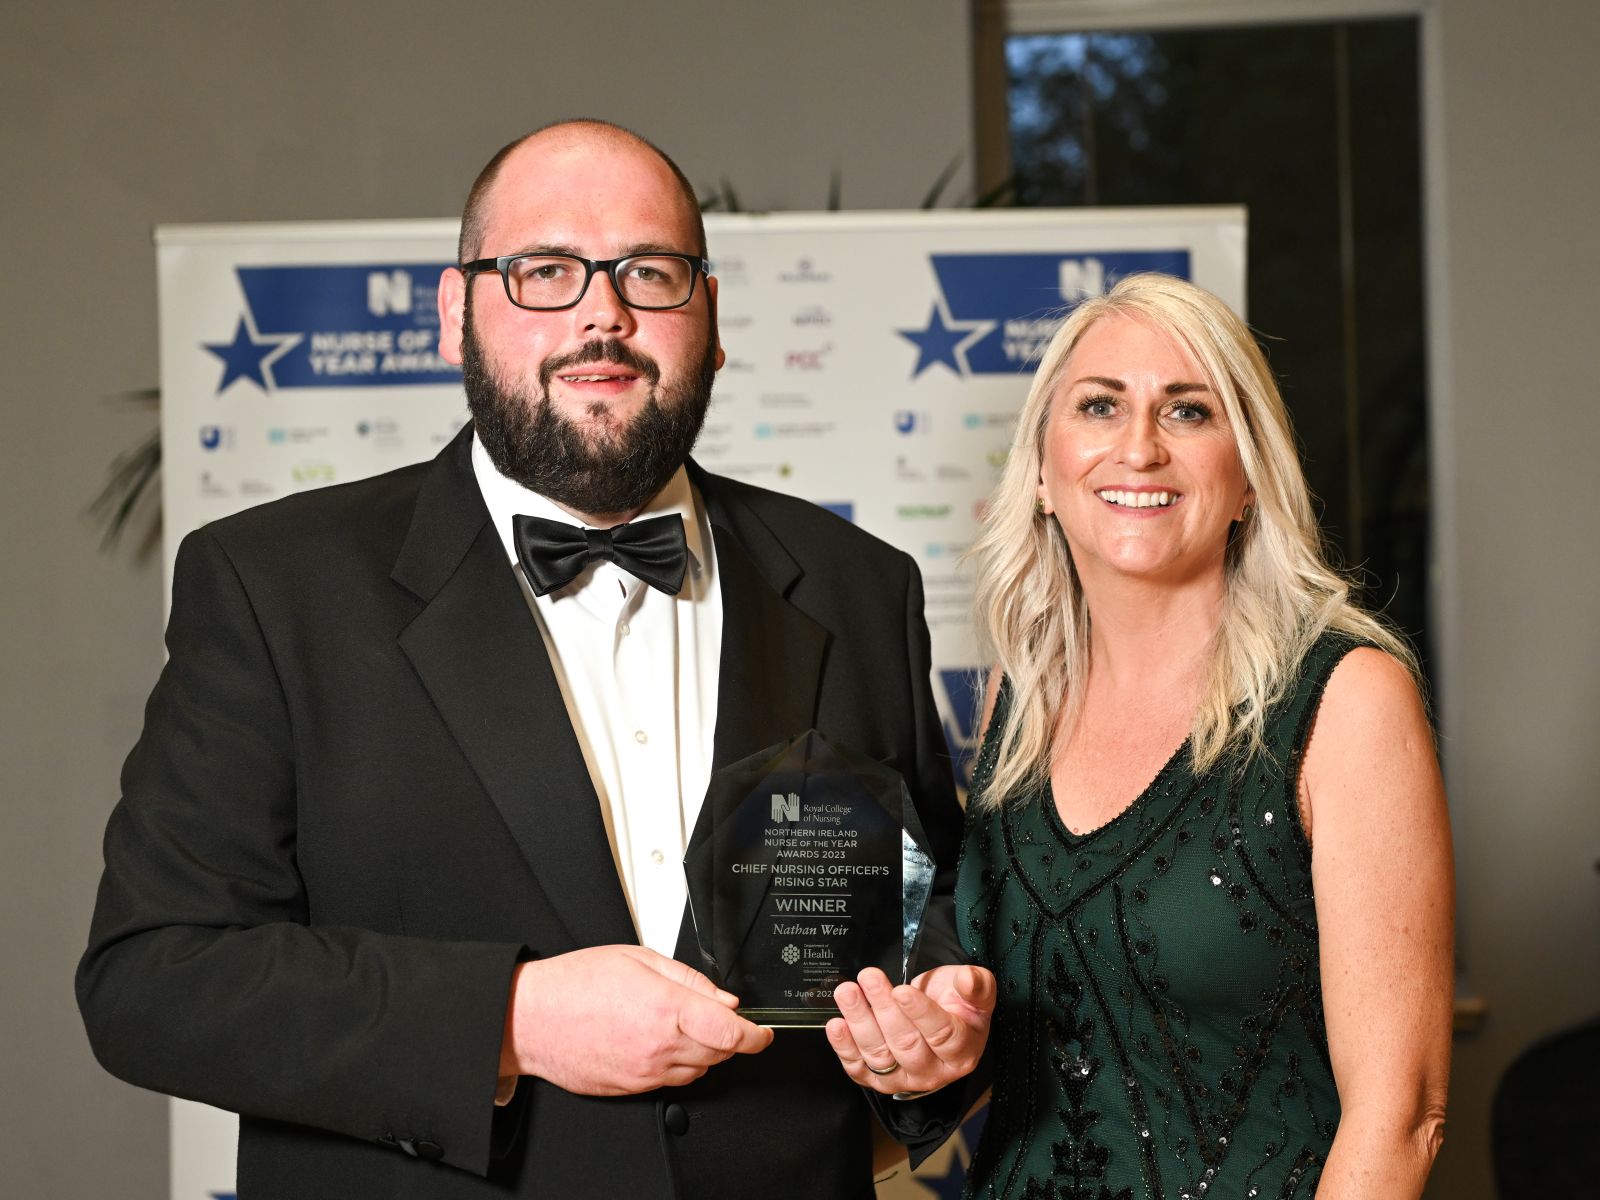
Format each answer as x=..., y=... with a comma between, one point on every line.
x=597, y=471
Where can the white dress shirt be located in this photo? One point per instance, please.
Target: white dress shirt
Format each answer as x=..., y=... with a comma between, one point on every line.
x=638, y=672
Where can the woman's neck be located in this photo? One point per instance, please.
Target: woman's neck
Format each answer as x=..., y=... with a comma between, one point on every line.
x=1145, y=635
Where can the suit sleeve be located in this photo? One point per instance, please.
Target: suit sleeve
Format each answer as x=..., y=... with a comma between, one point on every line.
x=204, y=976
x=923, y=1125
x=933, y=789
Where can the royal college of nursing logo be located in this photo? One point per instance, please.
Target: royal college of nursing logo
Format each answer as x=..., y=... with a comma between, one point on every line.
x=994, y=313
x=335, y=326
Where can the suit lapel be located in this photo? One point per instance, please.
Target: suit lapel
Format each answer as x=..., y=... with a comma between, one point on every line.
x=478, y=652
x=772, y=655
x=771, y=651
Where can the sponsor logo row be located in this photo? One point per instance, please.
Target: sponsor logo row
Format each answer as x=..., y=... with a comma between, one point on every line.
x=812, y=316
x=734, y=270
x=909, y=421
x=379, y=432
x=798, y=359
x=906, y=422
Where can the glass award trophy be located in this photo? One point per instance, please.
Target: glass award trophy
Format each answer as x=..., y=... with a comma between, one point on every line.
x=807, y=864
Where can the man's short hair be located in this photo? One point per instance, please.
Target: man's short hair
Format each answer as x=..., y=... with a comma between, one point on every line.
x=472, y=219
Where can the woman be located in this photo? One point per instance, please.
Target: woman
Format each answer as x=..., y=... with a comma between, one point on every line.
x=1207, y=854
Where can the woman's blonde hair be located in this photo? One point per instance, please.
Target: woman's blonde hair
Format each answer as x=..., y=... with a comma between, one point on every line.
x=1280, y=592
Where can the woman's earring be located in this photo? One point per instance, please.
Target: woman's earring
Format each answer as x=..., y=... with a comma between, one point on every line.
x=1249, y=511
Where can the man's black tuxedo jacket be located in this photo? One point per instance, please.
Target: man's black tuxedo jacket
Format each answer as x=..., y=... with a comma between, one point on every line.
x=358, y=802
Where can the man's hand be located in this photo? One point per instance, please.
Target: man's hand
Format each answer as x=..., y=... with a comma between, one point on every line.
x=916, y=1037
x=617, y=1020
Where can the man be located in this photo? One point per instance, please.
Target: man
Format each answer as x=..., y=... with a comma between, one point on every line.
x=396, y=870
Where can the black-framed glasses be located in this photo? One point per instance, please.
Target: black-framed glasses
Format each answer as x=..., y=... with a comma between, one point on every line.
x=547, y=282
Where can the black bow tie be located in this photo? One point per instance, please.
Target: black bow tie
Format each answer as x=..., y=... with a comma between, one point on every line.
x=554, y=553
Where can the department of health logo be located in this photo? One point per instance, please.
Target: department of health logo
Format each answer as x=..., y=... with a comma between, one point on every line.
x=994, y=313
x=335, y=326
x=790, y=954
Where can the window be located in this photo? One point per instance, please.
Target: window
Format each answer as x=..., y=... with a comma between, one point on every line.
x=1316, y=129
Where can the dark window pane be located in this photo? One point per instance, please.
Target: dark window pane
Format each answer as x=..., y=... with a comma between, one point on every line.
x=1277, y=118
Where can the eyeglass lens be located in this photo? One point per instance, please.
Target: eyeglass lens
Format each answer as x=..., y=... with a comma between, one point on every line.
x=554, y=280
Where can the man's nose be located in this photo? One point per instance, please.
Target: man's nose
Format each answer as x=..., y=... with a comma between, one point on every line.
x=601, y=310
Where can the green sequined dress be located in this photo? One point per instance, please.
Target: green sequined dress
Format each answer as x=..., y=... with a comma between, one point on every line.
x=1159, y=1031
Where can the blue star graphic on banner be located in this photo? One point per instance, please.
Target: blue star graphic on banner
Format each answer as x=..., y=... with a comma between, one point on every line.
x=949, y=1185
x=938, y=342
x=246, y=357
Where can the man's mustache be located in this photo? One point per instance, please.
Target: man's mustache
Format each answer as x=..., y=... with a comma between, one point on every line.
x=601, y=350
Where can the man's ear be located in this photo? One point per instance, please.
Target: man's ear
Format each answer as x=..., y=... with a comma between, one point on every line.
x=711, y=307
x=452, y=313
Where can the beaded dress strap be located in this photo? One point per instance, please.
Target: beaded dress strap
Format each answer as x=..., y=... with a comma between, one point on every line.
x=1289, y=724
x=989, y=748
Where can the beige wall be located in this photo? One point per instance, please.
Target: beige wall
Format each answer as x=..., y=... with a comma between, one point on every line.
x=118, y=117
x=1517, y=432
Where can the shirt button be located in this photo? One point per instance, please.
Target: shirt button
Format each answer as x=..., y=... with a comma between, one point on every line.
x=640, y=736
x=624, y=629
x=657, y=857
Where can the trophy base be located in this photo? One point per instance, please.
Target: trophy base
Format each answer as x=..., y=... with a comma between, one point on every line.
x=789, y=1018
